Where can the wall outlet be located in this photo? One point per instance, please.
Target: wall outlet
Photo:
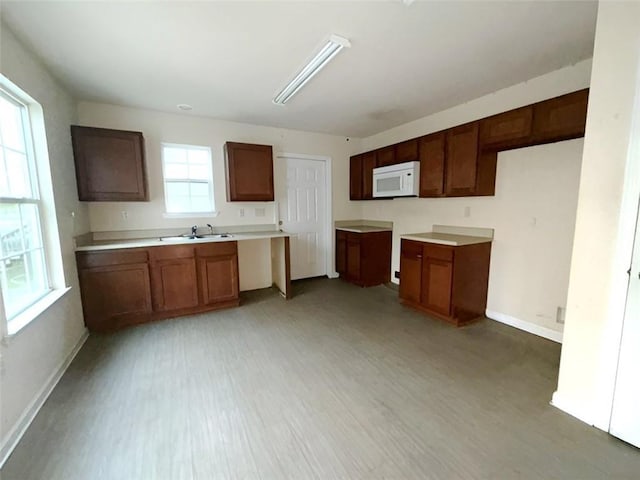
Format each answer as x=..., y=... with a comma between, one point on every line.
x=396, y=274
x=241, y=212
x=467, y=211
x=124, y=214
x=560, y=311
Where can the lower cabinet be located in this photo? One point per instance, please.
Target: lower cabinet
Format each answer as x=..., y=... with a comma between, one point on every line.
x=363, y=258
x=444, y=281
x=218, y=273
x=130, y=286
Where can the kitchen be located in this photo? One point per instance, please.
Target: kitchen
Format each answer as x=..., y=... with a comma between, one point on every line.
x=536, y=197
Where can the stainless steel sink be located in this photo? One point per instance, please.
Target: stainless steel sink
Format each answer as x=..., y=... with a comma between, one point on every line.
x=182, y=238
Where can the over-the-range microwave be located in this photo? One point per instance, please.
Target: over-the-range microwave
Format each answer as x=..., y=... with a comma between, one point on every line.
x=400, y=180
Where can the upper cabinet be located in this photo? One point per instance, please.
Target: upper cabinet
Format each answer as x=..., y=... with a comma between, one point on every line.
x=110, y=164
x=386, y=156
x=407, y=151
x=432, y=155
x=361, y=176
x=461, y=161
x=507, y=130
x=249, y=171
x=560, y=118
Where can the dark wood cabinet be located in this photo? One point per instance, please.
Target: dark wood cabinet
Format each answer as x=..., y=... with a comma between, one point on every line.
x=386, y=156
x=115, y=288
x=411, y=271
x=249, y=172
x=506, y=130
x=110, y=164
x=173, y=277
x=447, y=282
x=361, y=176
x=368, y=164
x=560, y=118
x=130, y=286
x=432, y=163
x=355, y=177
x=462, y=160
x=407, y=151
x=364, y=258
x=218, y=273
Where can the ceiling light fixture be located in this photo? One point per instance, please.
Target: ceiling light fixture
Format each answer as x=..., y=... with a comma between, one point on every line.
x=333, y=46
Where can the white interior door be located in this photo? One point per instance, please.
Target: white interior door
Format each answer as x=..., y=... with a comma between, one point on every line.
x=302, y=211
x=625, y=416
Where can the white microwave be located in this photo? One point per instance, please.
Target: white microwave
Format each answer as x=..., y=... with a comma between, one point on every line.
x=400, y=180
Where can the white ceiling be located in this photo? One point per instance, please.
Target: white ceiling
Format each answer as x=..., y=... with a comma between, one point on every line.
x=228, y=59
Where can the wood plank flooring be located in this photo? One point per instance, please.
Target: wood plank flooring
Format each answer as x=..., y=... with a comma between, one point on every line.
x=339, y=383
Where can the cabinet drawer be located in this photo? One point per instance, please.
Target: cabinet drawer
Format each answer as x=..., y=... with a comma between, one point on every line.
x=410, y=248
x=111, y=257
x=171, y=252
x=215, y=249
x=439, y=252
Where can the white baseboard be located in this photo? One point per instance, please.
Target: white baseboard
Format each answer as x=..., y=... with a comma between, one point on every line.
x=580, y=412
x=19, y=429
x=526, y=326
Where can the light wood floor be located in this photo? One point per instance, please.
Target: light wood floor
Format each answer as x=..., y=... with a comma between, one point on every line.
x=338, y=383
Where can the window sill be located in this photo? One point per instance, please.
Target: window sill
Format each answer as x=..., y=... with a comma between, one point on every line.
x=190, y=215
x=34, y=311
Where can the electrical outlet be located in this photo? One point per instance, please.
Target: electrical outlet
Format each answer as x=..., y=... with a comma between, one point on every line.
x=396, y=274
x=241, y=212
x=467, y=211
x=124, y=214
x=560, y=311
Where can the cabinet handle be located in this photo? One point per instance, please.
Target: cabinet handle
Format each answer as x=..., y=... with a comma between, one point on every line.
x=418, y=256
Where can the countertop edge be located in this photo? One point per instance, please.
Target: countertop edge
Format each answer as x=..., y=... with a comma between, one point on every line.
x=155, y=242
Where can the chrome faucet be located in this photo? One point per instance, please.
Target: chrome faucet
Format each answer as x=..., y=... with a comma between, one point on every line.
x=210, y=228
x=194, y=230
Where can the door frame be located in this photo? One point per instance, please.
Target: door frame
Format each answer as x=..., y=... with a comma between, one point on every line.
x=327, y=227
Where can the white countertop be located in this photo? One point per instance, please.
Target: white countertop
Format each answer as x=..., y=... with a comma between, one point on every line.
x=157, y=242
x=363, y=229
x=451, y=239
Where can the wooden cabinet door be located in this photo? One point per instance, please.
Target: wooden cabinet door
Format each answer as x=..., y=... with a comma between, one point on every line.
x=174, y=284
x=368, y=164
x=507, y=130
x=407, y=151
x=560, y=118
x=218, y=278
x=249, y=170
x=410, y=271
x=437, y=277
x=432, y=161
x=110, y=164
x=386, y=156
x=173, y=277
x=353, y=257
x=111, y=293
x=462, y=159
x=355, y=177
x=341, y=252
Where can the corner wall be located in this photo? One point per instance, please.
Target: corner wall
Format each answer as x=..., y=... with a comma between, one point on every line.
x=31, y=360
x=605, y=224
x=532, y=212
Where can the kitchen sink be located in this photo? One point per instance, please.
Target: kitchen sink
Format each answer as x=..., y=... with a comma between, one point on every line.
x=182, y=238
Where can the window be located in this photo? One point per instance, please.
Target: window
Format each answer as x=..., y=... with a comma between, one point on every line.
x=23, y=267
x=188, y=179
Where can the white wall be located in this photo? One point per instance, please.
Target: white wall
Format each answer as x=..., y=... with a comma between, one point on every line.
x=533, y=211
x=34, y=355
x=189, y=129
x=607, y=205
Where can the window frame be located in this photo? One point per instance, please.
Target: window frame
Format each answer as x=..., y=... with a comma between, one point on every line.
x=34, y=199
x=47, y=214
x=209, y=182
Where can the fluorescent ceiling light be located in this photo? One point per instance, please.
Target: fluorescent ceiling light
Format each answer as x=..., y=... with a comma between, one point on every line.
x=333, y=46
